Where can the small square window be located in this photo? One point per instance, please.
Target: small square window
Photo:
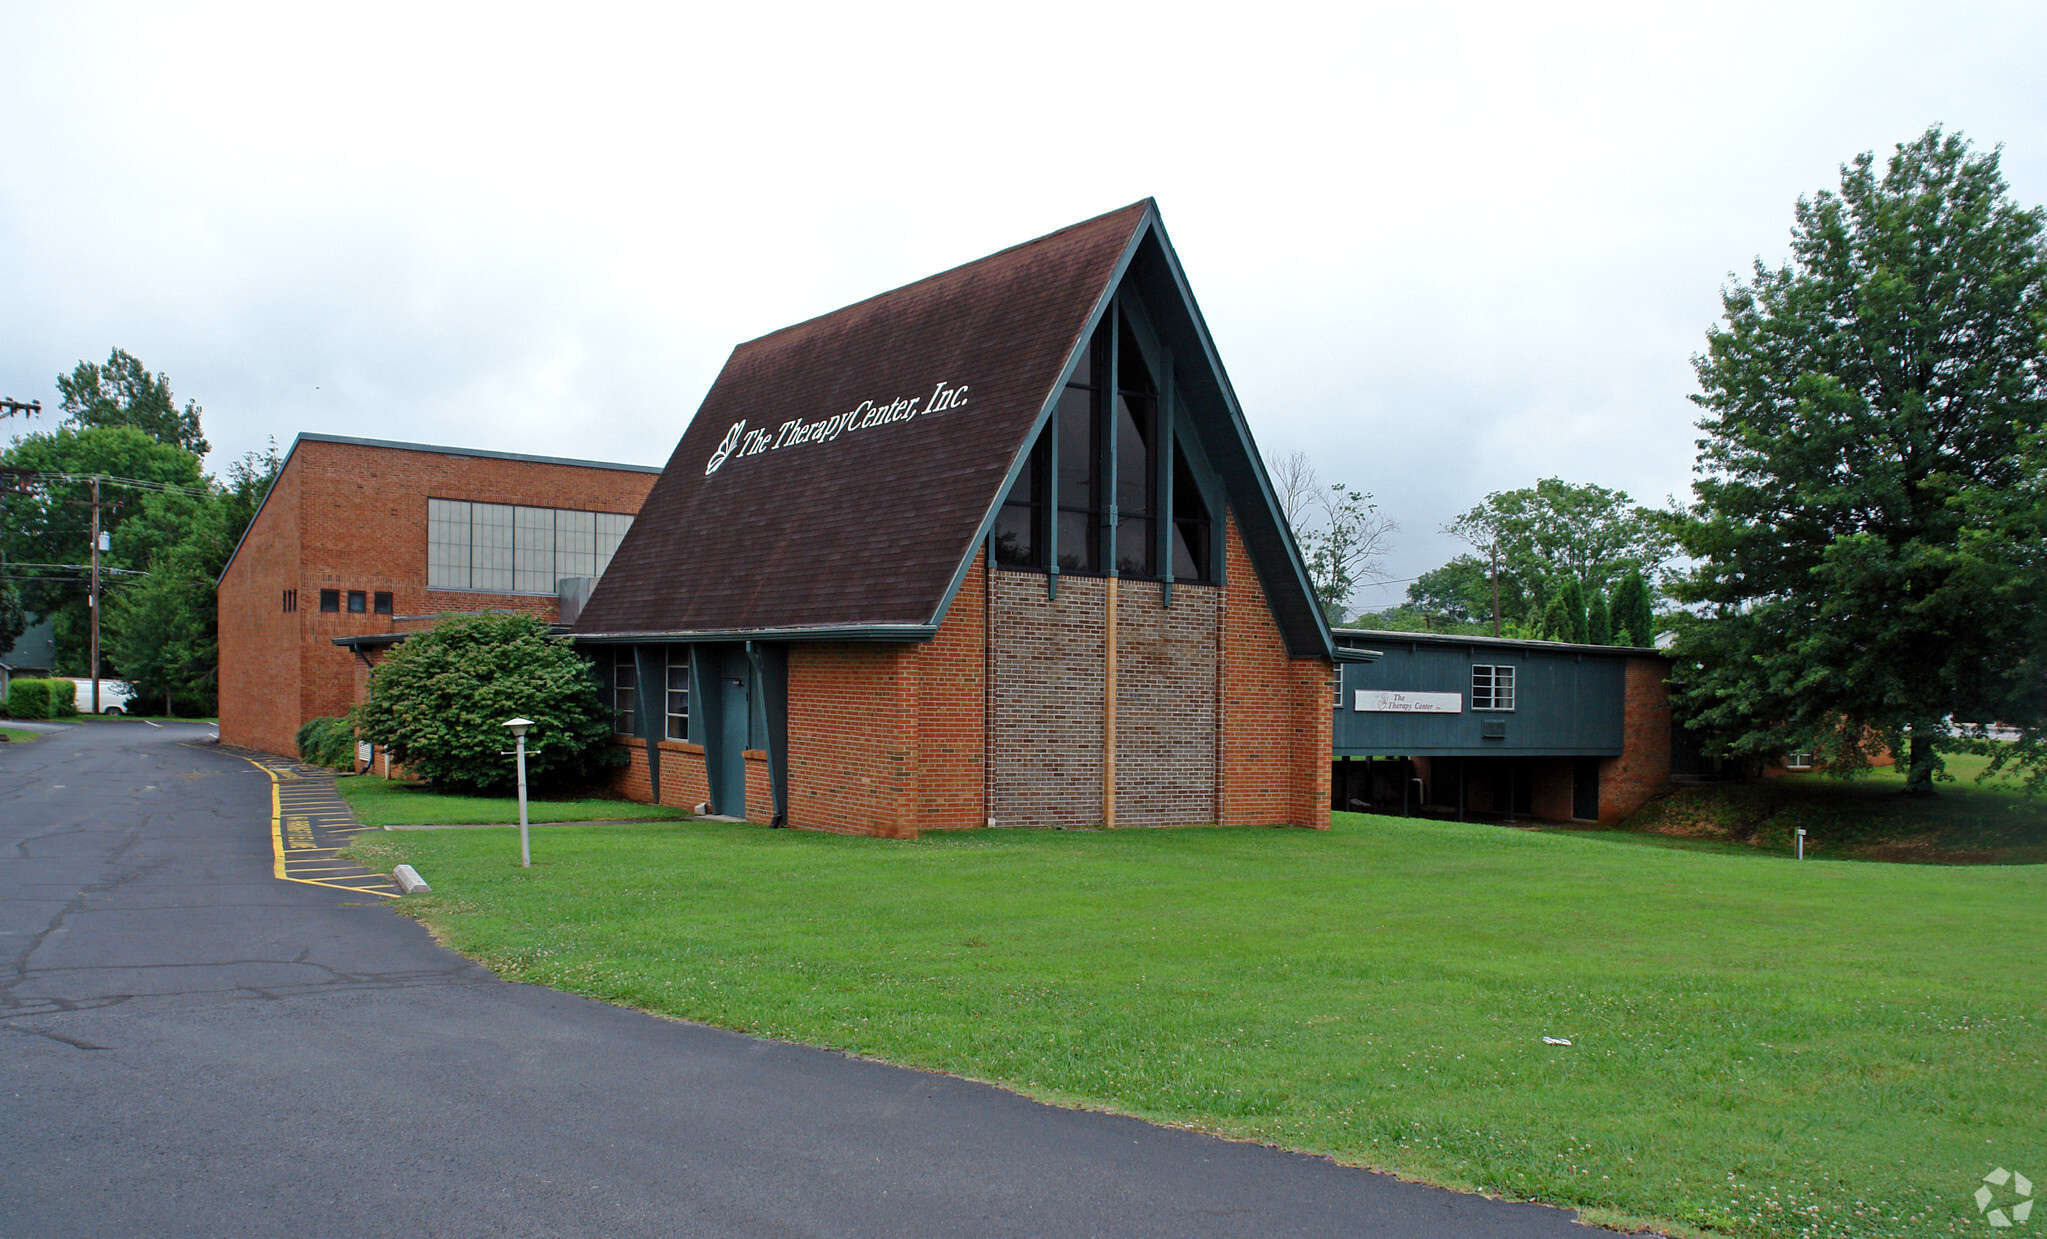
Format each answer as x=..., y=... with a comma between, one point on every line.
x=382, y=603
x=1798, y=761
x=358, y=602
x=1492, y=687
x=330, y=600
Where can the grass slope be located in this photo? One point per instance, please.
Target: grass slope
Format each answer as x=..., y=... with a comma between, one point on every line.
x=1866, y=816
x=395, y=802
x=1760, y=1047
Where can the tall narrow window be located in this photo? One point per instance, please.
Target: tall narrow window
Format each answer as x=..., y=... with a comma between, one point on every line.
x=1019, y=536
x=1080, y=456
x=678, y=692
x=1190, y=526
x=621, y=686
x=1137, y=401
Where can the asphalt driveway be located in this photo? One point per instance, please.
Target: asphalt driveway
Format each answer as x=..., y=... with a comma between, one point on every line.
x=190, y=1046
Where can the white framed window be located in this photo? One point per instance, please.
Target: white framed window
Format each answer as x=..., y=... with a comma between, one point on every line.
x=678, y=692
x=508, y=549
x=1801, y=760
x=1492, y=686
x=624, y=716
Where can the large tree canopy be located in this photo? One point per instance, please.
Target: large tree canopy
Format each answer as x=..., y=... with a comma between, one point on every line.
x=1549, y=540
x=124, y=393
x=1867, y=526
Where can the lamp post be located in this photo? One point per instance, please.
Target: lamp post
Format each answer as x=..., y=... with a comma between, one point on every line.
x=519, y=726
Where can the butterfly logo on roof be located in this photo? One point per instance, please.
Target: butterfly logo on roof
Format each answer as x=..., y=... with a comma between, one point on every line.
x=725, y=448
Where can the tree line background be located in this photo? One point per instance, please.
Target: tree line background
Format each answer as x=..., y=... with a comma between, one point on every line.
x=171, y=527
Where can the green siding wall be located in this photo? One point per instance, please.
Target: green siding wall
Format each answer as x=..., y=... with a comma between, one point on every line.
x=1567, y=703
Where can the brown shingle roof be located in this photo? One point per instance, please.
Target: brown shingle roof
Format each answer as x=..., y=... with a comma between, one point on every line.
x=863, y=516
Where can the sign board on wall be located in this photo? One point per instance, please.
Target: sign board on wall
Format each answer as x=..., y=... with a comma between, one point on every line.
x=1380, y=701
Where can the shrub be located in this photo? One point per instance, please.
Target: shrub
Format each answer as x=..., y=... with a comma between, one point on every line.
x=327, y=742
x=439, y=702
x=28, y=698
x=63, y=698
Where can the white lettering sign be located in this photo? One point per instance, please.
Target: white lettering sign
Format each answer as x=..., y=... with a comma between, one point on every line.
x=1379, y=701
x=866, y=415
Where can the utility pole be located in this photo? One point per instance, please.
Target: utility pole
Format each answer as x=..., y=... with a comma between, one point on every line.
x=1494, y=551
x=95, y=595
x=8, y=408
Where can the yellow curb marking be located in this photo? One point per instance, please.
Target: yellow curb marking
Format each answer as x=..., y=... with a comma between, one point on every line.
x=301, y=828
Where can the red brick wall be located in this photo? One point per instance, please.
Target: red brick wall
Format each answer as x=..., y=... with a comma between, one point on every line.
x=760, y=791
x=1276, y=716
x=684, y=782
x=260, y=641
x=852, y=738
x=353, y=517
x=952, y=713
x=1627, y=782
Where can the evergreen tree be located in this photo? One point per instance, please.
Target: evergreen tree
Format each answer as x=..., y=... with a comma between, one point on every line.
x=1598, y=622
x=1634, y=622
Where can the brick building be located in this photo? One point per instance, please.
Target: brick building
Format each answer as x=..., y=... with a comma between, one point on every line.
x=361, y=541
x=995, y=548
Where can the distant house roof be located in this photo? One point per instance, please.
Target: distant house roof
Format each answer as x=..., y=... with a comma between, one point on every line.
x=841, y=474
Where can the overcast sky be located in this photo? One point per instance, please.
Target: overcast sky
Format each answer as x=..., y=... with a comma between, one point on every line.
x=1445, y=252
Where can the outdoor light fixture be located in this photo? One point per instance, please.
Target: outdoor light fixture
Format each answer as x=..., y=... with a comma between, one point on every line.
x=519, y=727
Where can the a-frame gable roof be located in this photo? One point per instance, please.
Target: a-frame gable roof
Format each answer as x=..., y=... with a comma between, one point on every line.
x=841, y=473
x=846, y=500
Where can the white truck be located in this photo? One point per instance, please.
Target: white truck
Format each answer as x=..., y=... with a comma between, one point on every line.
x=114, y=695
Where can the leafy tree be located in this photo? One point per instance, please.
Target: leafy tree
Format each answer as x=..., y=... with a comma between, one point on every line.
x=1867, y=525
x=439, y=702
x=1347, y=548
x=1634, y=622
x=13, y=620
x=1598, y=620
x=51, y=524
x=124, y=393
x=1557, y=531
x=163, y=631
x=1462, y=591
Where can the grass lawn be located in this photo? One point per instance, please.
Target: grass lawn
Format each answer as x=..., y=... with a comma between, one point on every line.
x=395, y=802
x=19, y=733
x=1759, y=1046
x=1865, y=816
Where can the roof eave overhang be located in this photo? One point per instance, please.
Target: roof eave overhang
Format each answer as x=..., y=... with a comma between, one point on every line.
x=833, y=632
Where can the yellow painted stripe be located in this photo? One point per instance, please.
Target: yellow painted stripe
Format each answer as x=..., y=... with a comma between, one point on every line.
x=277, y=869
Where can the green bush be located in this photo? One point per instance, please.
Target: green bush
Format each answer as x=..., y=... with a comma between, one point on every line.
x=63, y=698
x=327, y=742
x=28, y=698
x=440, y=700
